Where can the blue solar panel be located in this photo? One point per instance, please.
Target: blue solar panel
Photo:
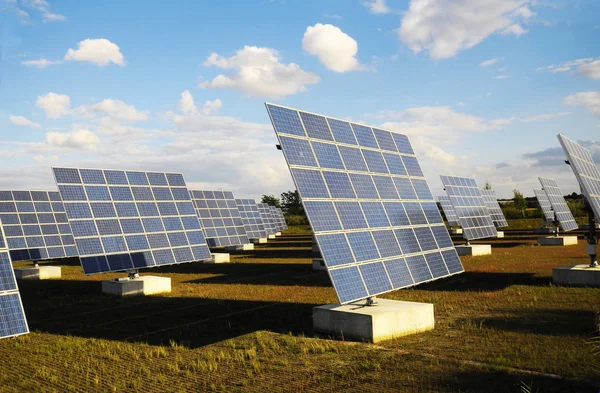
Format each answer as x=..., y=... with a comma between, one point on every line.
x=365, y=196
x=559, y=205
x=491, y=201
x=112, y=235
x=267, y=218
x=251, y=218
x=279, y=218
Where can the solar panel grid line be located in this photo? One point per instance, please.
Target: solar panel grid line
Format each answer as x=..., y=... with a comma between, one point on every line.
x=267, y=218
x=586, y=171
x=559, y=205
x=162, y=225
x=251, y=218
x=364, y=261
x=491, y=201
x=545, y=205
x=449, y=210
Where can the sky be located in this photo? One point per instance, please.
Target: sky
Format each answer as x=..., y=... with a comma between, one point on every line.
x=480, y=87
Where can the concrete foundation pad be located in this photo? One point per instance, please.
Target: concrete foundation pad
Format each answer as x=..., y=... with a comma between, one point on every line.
x=457, y=231
x=500, y=234
x=271, y=237
x=38, y=273
x=557, y=241
x=140, y=286
x=319, y=264
x=261, y=240
x=388, y=319
x=542, y=231
x=474, y=249
x=278, y=234
x=219, y=257
x=577, y=275
x=240, y=247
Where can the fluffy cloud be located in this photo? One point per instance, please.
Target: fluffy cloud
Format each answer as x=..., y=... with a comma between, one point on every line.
x=187, y=106
x=489, y=62
x=81, y=139
x=44, y=7
x=258, y=72
x=211, y=107
x=23, y=121
x=55, y=105
x=376, y=6
x=334, y=48
x=99, y=51
x=590, y=100
x=444, y=28
x=115, y=109
x=49, y=17
x=588, y=67
x=555, y=156
x=40, y=63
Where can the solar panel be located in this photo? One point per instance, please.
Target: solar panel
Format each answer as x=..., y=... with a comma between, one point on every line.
x=473, y=215
x=220, y=218
x=559, y=205
x=376, y=223
x=449, y=211
x=35, y=225
x=586, y=171
x=279, y=218
x=12, y=315
x=251, y=218
x=491, y=201
x=127, y=220
x=267, y=218
x=545, y=205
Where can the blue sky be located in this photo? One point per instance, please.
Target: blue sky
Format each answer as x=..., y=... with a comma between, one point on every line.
x=481, y=88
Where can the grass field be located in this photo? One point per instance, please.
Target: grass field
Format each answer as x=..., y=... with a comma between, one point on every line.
x=246, y=326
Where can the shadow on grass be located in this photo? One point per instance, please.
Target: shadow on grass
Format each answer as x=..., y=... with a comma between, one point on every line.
x=78, y=308
x=486, y=281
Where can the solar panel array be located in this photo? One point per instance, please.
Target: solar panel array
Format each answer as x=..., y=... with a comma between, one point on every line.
x=545, y=205
x=559, y=205
x=586, y=171
x=125, y=220
x=473, y=215
x=376, y=223
x=251, y=218
x=449, y=211
x=279, y=218
x=491, y=201
x=12, y=315
x=267, y=218
x=220, y=218
x=35, y=225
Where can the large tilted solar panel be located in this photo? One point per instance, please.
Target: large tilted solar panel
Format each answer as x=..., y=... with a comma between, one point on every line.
x=267, y=218
x=220, y=218
x=449, y=211
x=126, y=220
x=12, y=315
x=545, y=205
x=376, y=223
x=472, y=212
x=491, y=201
x=251, y=218
x=559, y=205
x=35, y=225
x=279, y=218
x=586, y=171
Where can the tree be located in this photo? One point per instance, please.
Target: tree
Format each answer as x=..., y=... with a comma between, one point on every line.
x=488, y=186
x=270, y=200
x=519, y=201
x=292, y=204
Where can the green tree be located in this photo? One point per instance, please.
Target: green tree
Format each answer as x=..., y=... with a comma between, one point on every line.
x=519, y=201
x=292, y=204
x=270, y=200
x=488, y=186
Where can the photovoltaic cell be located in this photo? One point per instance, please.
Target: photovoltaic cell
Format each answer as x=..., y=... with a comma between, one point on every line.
x=586, y=171
x=449, y=211
x=365, y=212
x=255, y=229
x=559, y=205
x=220, y=218
x=472, y=212
x=279, y=218
x=491, y=201
x=267, y=218
x=114, y=234
x=545, y=205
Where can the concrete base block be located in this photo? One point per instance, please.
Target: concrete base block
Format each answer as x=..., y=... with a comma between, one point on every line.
x=38, y=273
x=219, y=257
x=278, y=234
x=240, y=247
x=140, y=286
x=261, y=240
x=319, y=264
x=500, y=234
x=557, y=241
x=474, y=249
x=271, y=237
x=457, y=231
x=388, y=319
x=577, y=275
x=542, y=231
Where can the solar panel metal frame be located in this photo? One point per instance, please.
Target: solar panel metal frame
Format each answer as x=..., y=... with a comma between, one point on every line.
x=13, y=321
x=279, y=218
x=127, y=231
x=219, y=217
x=449, y=211
x=586, y=171
x=545, y=205
x=491, y=201
x=559, y=205
x=255, y=228
x=360, y=265
x=267, y=217
x=472, y=211
x=47, y=235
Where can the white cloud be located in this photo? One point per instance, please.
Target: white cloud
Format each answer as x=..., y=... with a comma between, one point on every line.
x=590, y=100
x=588, y=67
x=46, y=159
x=23, y=121
x=115, y=109
x=55, y=105
x=444, y=28
x=211, y=107
x=99, y=51
x=49, y=17
x=501, y=76
x=81, y=139
x=44, y=7
x=39, y=5
x=334, y=48
x=489, y=62
x=40, y=63
x=376, y=6
x=258, y=72
x=186, y=103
